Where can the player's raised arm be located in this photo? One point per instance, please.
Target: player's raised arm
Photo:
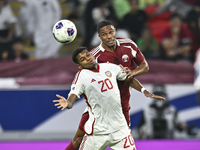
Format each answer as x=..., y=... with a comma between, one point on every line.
x=142, y=68
x=63, y=103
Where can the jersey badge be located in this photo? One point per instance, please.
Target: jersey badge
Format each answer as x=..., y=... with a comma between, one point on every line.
x=125, y=58
x=108, y=73
x=93, y=80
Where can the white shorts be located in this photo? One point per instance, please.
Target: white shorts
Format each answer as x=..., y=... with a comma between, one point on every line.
x=120, y=140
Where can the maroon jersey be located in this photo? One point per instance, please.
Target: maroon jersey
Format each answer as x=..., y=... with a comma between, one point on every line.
x=126, y=54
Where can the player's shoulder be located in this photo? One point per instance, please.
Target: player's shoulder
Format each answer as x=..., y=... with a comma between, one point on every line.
x=77, y=76
x=108, y=65
x=95, y=50
x=126, y=42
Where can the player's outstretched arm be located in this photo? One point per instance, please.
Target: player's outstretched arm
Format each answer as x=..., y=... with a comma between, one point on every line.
x=148, y=94
x=134, y=83
x=63, y=103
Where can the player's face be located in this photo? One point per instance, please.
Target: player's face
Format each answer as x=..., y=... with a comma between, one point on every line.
x=108, y=35
x=86, y=60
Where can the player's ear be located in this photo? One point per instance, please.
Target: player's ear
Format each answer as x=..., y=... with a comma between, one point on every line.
x=98, y=35
x=79, y=66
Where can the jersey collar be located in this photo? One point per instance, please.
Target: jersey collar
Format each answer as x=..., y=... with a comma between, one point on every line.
x=98, y=67
x=102, y=49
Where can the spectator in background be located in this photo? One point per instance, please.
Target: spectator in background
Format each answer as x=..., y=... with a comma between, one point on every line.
x=145, y=3
x=159, y=120
x=176, y=41
x=102, y=12
x=148, y=44
x=193, y=21
x=121, y=8
x=89, y=24
x=135, y=20
x=7, y=29
x=38, y=18
x=193, y=15
x=181, y=7
x=75, y=5
x=18, y=51
x=76, y=8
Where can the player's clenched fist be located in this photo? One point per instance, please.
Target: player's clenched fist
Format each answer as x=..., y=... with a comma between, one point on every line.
x=61, y=103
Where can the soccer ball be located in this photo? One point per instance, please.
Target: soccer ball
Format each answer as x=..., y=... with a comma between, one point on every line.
x=64, y=31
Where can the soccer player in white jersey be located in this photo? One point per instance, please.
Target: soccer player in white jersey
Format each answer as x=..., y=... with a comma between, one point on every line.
x=118, y=51
x=106, y=126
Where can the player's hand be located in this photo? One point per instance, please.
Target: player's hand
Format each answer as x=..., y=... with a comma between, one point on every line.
x=61, y=103
x=129, y=73
x=126, y=69
x=148, y=94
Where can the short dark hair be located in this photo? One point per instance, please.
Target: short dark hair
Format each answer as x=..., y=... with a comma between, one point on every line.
x=76, y=52
x=175, y=15
x=103, y=23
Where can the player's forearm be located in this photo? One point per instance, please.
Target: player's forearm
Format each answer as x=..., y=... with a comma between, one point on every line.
x=136, y=84
x=141, y=69
x=71, y=100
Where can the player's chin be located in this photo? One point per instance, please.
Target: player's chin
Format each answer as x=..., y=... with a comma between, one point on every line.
x=90, y=66
x=111, y=45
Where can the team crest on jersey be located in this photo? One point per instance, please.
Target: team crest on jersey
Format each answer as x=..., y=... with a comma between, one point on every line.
x=108, y=73
x=125, y=58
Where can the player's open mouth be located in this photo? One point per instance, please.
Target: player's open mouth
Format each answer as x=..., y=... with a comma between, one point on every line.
x=110, y=42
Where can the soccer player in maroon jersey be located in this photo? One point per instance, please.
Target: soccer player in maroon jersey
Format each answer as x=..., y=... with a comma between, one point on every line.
x=118, y=51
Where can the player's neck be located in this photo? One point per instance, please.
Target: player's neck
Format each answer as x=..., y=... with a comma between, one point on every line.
x=110, y=48
x=95, y=67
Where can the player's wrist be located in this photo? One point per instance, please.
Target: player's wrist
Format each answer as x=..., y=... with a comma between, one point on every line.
x=142, y=90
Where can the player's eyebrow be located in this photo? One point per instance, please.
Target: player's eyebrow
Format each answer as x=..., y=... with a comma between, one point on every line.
x=108, y=31
x=88, y=53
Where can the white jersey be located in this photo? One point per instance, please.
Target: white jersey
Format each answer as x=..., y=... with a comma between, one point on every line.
x=102, y=97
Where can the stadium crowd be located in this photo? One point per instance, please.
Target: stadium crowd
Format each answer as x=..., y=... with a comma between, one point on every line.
x=163, y=29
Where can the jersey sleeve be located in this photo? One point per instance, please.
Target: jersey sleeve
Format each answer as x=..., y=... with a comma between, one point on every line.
x=121, y=75
x=137, y=55
x=77, y=86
